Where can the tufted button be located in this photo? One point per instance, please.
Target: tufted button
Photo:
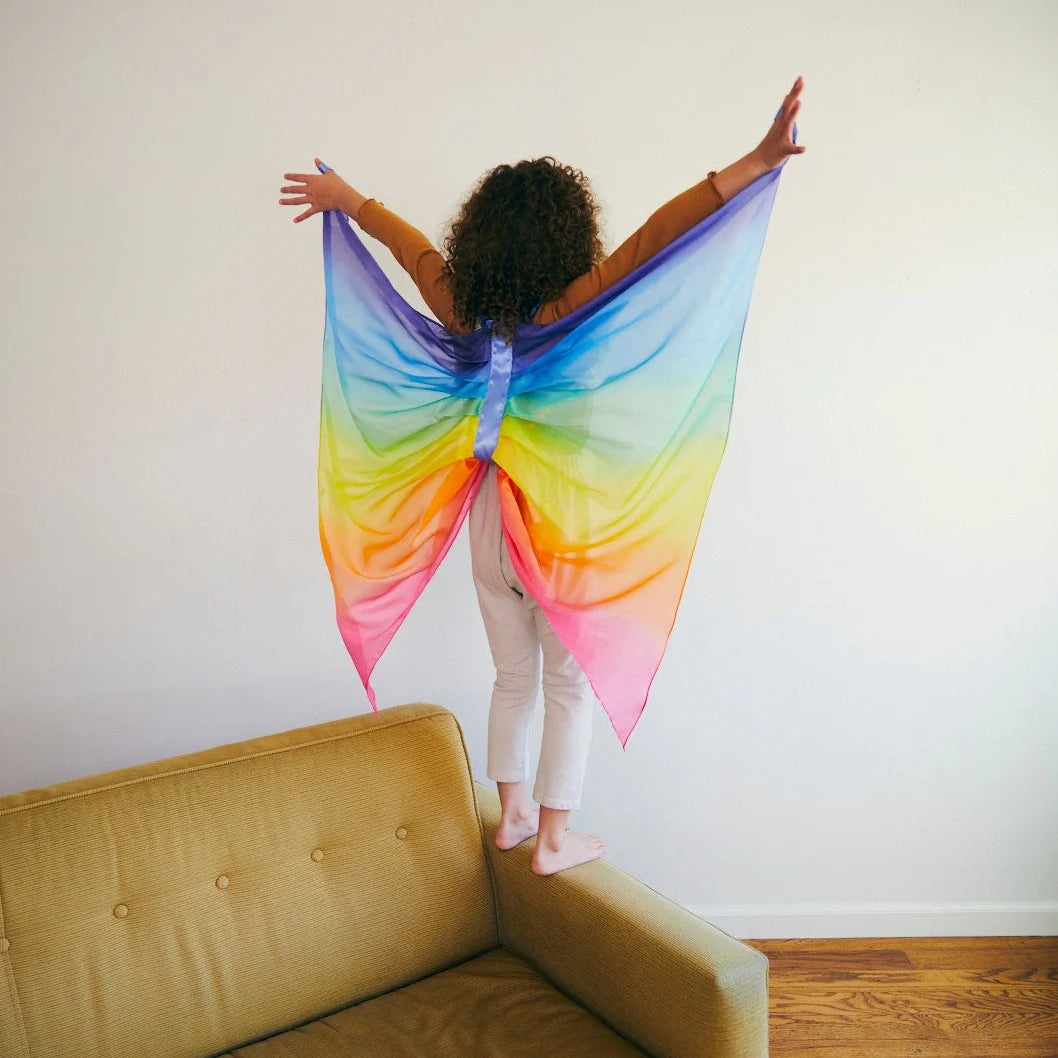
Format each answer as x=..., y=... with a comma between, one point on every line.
x=5, y=945
x=402, y=833
x=317, y=854
x=120, y=911
x=222, y=882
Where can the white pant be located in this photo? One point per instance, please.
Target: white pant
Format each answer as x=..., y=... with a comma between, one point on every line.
x=518, y=631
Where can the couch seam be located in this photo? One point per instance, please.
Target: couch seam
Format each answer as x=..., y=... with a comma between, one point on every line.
x=9, y=973
x=219, y=763
x=493, y=878
x=481, y=832
x=578, y=1000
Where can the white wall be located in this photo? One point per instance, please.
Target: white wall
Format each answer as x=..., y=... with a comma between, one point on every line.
x=855, y=728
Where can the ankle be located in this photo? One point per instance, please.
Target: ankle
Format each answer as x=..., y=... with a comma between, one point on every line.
x=554, y=826
x=514, y=800
x=516, y=815
x=551, y=842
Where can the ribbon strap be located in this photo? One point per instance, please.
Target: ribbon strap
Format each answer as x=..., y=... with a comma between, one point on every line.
x=495, y=402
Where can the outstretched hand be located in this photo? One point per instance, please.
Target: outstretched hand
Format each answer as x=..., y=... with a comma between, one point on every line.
x=778, y=143
x=319, y=191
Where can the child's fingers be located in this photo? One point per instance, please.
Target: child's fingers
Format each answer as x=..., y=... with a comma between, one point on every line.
x=307, y=213
x=294, y=189
x=792, y=96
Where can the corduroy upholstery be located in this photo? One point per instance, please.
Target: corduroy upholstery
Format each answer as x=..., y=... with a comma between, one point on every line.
x=496, y=1004
x=331, y=891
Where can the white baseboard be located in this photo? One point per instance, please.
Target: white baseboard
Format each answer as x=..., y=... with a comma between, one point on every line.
x=763, y=922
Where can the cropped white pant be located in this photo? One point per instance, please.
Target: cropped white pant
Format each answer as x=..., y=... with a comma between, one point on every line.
x=518, y=633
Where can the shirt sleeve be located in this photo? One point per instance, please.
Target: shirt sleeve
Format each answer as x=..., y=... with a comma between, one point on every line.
x=663, y=226
x=415, y=254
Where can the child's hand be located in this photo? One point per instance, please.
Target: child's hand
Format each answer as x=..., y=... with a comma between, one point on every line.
x=319, y=191
x=778, y=144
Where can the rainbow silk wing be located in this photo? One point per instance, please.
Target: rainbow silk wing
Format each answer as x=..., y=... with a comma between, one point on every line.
x=607, y=428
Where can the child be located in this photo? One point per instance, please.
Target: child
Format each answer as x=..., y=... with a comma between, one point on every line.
x=525, y=246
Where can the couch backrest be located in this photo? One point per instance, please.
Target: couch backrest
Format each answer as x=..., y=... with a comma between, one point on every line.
x=179, y=908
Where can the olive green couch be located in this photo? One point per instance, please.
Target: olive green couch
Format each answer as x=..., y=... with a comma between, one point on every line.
x=335, y=891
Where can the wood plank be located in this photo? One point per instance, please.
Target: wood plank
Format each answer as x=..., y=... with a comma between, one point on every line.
x=913, y=997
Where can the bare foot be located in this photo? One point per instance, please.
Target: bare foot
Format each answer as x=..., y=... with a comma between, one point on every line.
x=574, y=849
x=515, y=830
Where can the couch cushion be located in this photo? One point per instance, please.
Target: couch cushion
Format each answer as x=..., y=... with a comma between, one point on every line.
x=493, y=1005
x=181, y=907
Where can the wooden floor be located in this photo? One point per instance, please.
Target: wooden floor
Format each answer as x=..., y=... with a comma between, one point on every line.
x=913, y=997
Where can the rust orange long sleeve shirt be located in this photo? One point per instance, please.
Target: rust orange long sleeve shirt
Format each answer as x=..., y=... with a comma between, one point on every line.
x=424, y=263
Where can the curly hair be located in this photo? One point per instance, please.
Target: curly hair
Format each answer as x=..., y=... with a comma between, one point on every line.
x=526, y=231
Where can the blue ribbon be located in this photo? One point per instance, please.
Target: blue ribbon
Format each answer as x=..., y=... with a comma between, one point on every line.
x=495, y=402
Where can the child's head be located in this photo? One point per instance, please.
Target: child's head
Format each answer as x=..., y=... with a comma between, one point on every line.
x=524, y=233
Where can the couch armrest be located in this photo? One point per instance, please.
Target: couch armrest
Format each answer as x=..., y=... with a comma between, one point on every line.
x=674, y=984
